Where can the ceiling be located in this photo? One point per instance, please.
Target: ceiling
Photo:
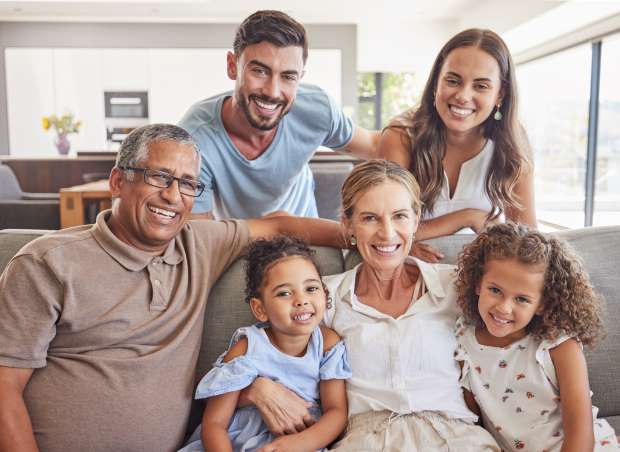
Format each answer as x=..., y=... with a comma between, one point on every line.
x=233, y=11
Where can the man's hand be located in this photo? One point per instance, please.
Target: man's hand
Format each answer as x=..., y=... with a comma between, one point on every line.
x=426, y=252
x=283, y=411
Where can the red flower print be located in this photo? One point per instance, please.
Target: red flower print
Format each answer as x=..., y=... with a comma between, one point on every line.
x=520, y=376
x=519, y=444
x=529, y=395
x=503, y=364
x=478, y=369
x=605, y=442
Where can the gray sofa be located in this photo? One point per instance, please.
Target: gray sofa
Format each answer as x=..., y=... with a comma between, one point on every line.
x=599, y=248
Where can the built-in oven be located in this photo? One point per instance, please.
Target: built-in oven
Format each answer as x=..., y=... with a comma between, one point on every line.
x=124, y=111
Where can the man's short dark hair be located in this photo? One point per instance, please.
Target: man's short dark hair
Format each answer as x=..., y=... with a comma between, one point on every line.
x=275, y=27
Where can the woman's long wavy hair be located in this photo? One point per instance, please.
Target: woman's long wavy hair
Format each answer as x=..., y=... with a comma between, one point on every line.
x=426, y=133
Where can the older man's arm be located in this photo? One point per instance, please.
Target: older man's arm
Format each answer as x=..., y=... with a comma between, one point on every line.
x=16, y=433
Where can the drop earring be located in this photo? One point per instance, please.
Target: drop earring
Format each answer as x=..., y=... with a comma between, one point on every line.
x=353, y=240
x=329, y=302
x=498, y=114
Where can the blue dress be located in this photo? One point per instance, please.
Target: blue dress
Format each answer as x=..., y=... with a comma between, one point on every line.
x=302, y=374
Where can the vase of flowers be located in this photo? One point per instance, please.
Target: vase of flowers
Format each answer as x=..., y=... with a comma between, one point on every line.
x=63, y=125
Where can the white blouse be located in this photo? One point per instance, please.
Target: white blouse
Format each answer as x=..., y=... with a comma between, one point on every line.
x=469, y=192
x=406, y=364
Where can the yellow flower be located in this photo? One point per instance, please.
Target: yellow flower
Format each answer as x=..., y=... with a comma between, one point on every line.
x=45, y=122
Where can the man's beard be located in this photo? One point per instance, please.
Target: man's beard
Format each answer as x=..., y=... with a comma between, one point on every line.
x=244, y=103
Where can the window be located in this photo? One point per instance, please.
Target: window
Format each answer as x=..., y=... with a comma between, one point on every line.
x=554, y=101
x=382, y=96
x=607, y=185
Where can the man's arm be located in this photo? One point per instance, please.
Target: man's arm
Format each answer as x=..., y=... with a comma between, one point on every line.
x=316, y=231
x=363, y=144
x=16, y=433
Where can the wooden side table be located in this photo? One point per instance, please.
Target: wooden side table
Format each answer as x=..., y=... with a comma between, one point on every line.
x=73, y=201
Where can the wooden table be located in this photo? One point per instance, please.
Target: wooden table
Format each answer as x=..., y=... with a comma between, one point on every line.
x=73, y=201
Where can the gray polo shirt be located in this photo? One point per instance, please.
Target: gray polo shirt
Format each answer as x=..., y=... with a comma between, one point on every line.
x=113, y=333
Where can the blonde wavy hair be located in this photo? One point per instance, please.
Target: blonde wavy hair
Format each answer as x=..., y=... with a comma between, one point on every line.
x=570, y=305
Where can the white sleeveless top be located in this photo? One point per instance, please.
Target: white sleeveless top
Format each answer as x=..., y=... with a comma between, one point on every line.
x=469, y=192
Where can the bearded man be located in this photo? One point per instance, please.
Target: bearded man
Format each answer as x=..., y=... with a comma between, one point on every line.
x=256, y=141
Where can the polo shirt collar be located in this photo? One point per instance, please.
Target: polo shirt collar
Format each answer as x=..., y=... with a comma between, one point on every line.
x=129, y=256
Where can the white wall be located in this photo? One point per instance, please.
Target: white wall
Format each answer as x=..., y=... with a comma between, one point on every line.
x=400, y=46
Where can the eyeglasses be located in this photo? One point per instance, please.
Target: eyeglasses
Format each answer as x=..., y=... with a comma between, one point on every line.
x=161, y=179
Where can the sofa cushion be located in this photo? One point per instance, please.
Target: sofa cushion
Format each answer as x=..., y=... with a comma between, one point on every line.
x=12, y=240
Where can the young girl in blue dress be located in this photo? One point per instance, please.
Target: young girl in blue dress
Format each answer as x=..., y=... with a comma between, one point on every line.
x=528, y=307
x=286, y=295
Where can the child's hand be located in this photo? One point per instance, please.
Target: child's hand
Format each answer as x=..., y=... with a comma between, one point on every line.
x=286, y=443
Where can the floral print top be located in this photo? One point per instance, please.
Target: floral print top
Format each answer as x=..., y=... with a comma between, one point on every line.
x=517, y=390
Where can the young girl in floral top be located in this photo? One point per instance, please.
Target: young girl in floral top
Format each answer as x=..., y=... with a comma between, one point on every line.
x=528, y=307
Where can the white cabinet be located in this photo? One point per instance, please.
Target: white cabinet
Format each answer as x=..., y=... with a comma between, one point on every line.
x=79, y=90
x=30, y=96
x=181, y=77
x=125, y=70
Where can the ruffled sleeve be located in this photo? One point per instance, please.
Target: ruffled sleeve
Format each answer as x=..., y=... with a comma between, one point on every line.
x=334, y=364
x=227, y=377
x=460, y=354
x=543, y=358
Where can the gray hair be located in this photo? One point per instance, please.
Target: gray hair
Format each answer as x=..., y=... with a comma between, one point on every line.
x=135, y=147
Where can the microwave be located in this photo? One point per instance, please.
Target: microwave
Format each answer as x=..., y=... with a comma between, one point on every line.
x=124, y=111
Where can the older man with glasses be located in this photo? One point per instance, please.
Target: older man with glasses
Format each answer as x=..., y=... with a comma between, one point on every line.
x=100, y=325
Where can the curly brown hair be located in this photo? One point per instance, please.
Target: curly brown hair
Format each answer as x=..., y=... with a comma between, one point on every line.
x=570, y=304
x=262, y=254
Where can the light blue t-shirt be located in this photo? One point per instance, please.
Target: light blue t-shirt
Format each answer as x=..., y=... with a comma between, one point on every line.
x=280, y=178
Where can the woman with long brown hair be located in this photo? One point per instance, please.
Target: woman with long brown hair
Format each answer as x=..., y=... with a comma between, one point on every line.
x=464, y=143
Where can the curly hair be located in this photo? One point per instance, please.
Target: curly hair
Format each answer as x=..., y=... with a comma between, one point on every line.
x=262, y=254
x=570, y=305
